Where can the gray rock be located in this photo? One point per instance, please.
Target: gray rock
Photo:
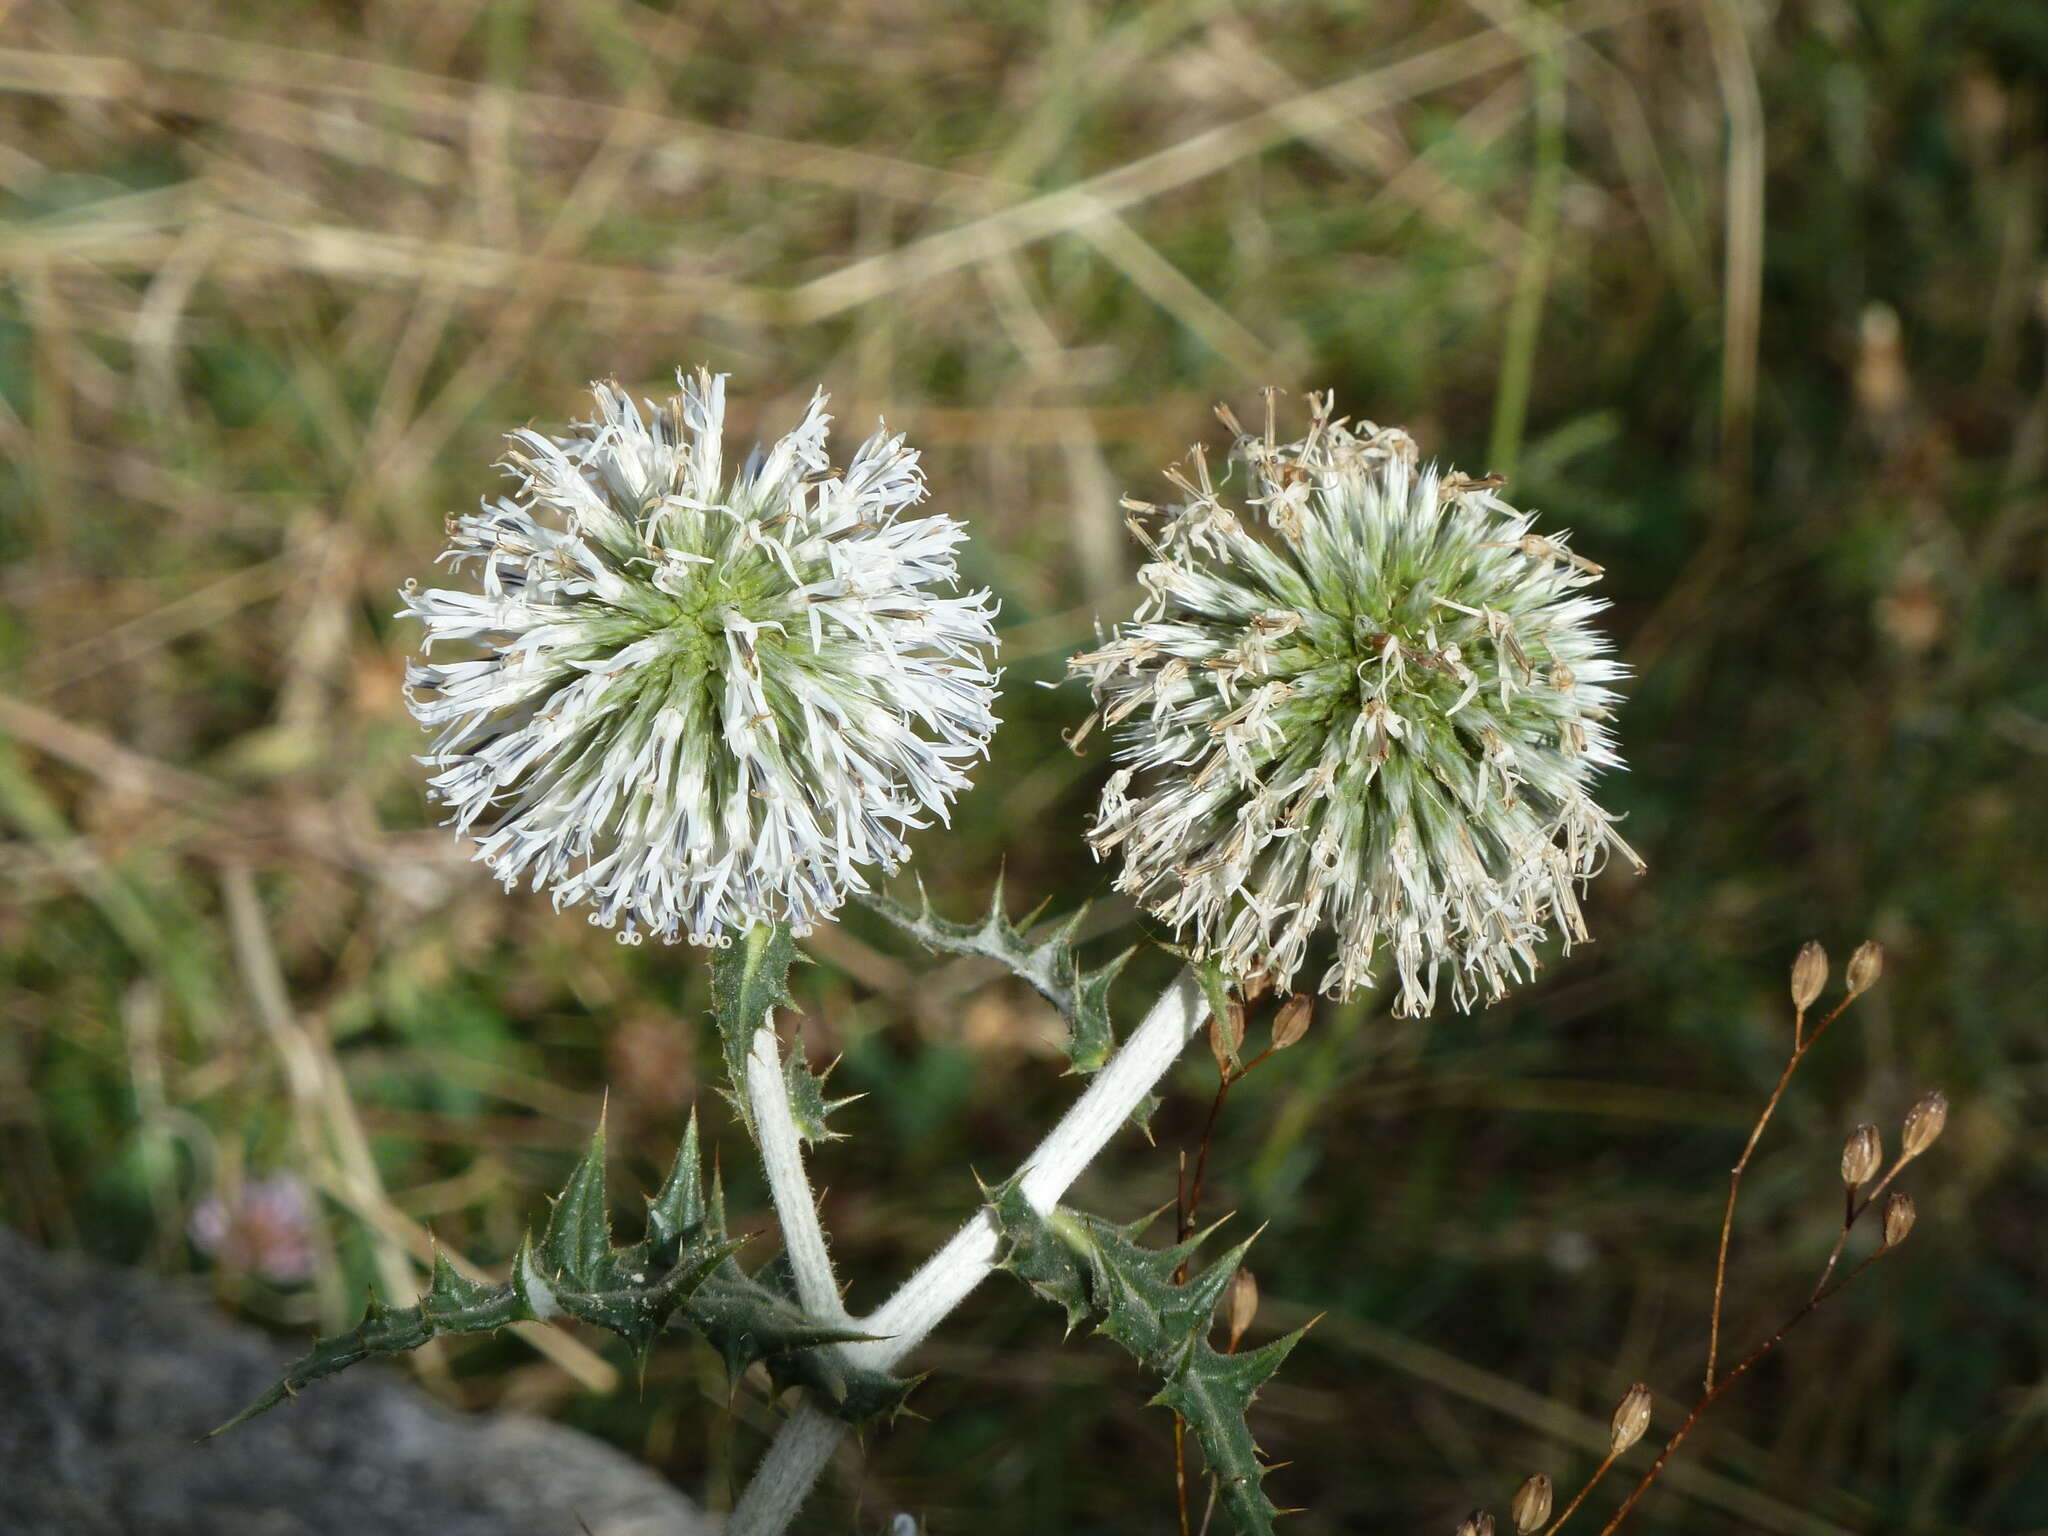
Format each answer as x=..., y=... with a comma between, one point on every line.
x=108, y=1378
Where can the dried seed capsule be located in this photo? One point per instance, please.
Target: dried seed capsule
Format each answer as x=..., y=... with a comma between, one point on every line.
x=1478, y=1523
x=1218, y=695
x=1899, y=1216
x=1531, y=1507
x=1809, y=975
x=1292, y=1021
x=1862, y=1156
x=1865, y=966
x=1630, y=1419
x=1924, y=1123
x=1244, y=1305
x=1226, y=1034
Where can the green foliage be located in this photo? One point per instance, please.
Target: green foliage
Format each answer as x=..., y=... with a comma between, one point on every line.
x=573, y=1271
x=1049, y=964
x=808, y=1105
x=749, y=982
x=1096, y=1271
x=1216, y=988
x=680, y=1276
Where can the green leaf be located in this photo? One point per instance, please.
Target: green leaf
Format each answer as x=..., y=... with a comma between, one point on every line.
x=808, y=1105
x=579, y=1233
x=1216, y=988
x=1054, y=1269
x=1097, y=1270
x=1211, y=1392
x=573, y=1271
x=1049, y=964
x=679, y=1207
x=749, y=982
x=748, y=1322
x=681, y=1275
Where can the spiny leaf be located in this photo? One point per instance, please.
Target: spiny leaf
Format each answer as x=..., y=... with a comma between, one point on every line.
x=579, y=1232
x=680, y=1275
x=1211, y=1392
x=749, y=1322
x=1091, y=1041
x=679, y=1207
x=749, y=982
x=1050, y=965
x=808, y=1105
x=574, y=1271
x=1054, y=1269
x=1096, y=1269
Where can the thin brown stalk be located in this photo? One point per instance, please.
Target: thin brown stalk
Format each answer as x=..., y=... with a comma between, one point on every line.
x=1855, y=1214
x=1180, y=1472
x=1580, y=1497
x=1713, y=1393
x=1193, y=1204
x=1849, y=1214
x=1800, y=1047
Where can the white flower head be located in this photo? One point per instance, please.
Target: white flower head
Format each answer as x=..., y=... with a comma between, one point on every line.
x=1379, y=716
x=701, y=702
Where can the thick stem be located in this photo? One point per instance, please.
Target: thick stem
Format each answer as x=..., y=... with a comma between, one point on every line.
x=787, y=1473
x=1115, y=1092
x=805, y=1443
x=782, y=1159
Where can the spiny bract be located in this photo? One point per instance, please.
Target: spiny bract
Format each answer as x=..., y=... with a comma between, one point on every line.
x=1382, y=719
x=701, y=705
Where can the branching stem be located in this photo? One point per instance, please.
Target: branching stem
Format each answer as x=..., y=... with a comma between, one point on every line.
x=1708, y=1398
x=1855, y=1214
x=807, y=1439
x=1802, y=1043
x=1580, y=1497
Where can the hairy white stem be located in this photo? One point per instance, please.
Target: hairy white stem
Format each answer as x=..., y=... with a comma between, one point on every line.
x=786, y=1475
x=784, y=1478
x=782, y=1159
x=902, y=1321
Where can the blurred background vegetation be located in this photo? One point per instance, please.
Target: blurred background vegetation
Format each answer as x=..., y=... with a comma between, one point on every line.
x=1749, y=296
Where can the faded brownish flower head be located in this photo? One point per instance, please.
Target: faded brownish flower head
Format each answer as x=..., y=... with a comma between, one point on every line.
x=1378, y=715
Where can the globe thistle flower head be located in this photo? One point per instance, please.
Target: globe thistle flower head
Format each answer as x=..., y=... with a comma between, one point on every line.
x=1379, y=715
x=698, y=701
